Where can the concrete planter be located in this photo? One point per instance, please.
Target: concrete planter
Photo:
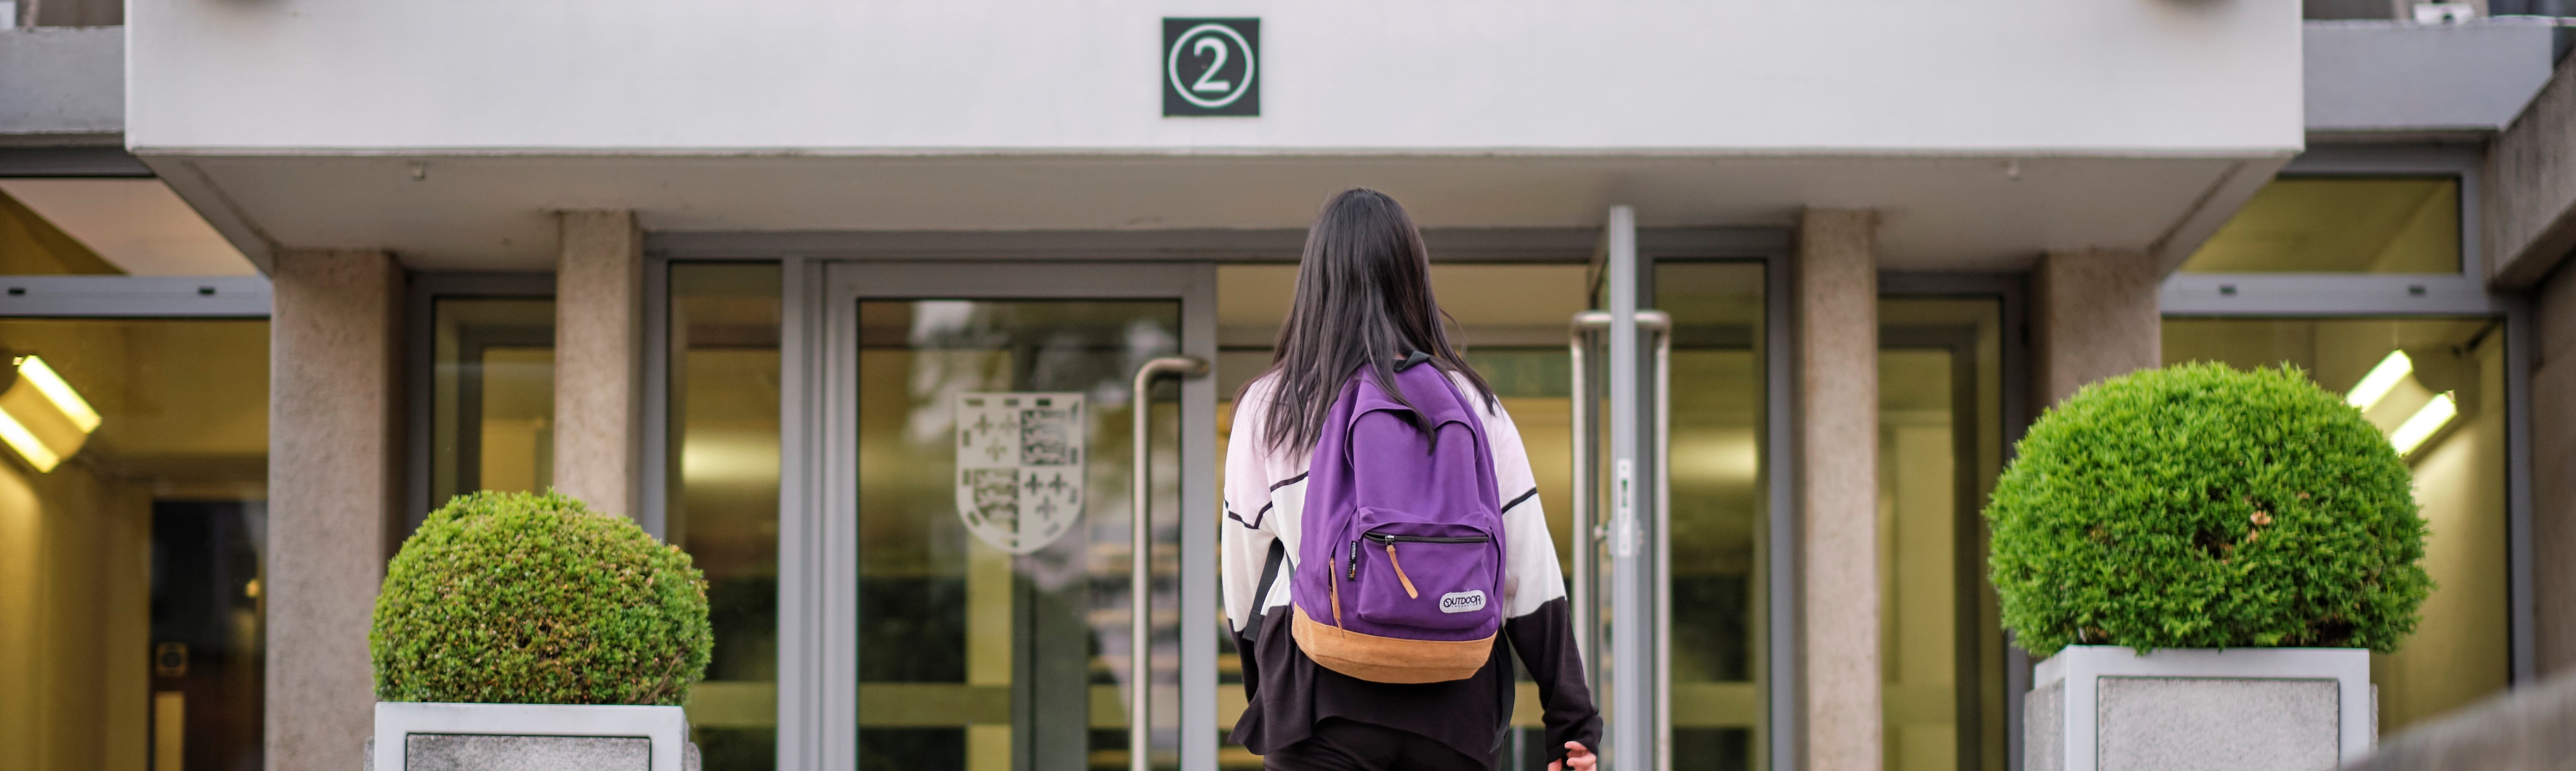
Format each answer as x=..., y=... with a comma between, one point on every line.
x=2105, y=708
x=413, y=736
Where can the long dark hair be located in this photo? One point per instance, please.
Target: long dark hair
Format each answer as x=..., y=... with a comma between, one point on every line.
x=1363, y=298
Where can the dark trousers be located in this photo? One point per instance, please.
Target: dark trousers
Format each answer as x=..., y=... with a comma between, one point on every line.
x=1343, y=745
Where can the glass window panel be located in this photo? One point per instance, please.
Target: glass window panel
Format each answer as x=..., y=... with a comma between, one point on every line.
x=2460, y=651
x=722, y=504
x=29, y=245
x=1719, y=506
x=2340, y=225
x=1940, y=447
x=971, y=656
x=133, y=518
x=492, y=395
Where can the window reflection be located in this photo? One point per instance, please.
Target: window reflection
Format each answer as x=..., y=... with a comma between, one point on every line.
x=971, y=655
x=1940, y=433
x=722, y=502
x=492, y=396
x=1719, y=527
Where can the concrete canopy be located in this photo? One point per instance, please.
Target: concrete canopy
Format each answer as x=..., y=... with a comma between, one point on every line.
x=492, y=212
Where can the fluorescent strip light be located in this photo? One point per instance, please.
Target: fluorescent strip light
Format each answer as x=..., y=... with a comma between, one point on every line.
x=25, y=442
x=2385, y=376
x=2435, y=414
x=58, y=392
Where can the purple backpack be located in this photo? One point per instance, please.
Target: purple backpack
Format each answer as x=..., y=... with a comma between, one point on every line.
x=1400, y=576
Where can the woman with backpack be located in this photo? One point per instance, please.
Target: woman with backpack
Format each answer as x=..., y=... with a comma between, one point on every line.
x=1384, y=545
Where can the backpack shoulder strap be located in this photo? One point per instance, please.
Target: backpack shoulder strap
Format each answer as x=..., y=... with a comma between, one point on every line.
x=1269, y=575
x=1261, y=592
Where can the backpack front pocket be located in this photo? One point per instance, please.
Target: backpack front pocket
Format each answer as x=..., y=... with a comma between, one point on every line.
x=1425, y=575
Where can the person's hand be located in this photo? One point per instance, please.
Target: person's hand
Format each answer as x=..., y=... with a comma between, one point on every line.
x=1576, y=759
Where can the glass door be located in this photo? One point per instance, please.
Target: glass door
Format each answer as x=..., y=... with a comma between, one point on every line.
x=1674, y=495
x=994, y=434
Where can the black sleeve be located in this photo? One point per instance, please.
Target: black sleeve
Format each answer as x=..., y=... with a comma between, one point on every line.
x=1544, y=638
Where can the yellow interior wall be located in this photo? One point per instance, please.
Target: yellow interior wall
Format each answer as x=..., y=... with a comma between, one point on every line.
x=74, y=620
x=1918, y=597
x=185, y=410
x=2460, y=652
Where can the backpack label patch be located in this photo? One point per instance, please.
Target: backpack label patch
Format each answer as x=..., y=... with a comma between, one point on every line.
x=1468, y=601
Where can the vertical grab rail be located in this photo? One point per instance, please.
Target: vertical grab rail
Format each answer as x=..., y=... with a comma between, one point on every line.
x=1586, y=617
x=1661, y=324
x=1140, y=587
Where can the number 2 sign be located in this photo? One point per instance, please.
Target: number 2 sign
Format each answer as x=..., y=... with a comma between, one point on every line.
x=1211, y=67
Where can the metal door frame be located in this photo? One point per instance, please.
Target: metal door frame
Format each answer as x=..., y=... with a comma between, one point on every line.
x=818, y=492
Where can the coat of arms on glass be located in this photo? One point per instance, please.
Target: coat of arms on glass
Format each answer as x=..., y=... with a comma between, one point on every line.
x=1019, y=467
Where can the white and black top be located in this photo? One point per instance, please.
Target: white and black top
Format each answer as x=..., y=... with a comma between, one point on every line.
x=1265, y=496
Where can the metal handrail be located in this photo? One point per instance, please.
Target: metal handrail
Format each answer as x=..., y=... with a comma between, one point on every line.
x=1140, y=587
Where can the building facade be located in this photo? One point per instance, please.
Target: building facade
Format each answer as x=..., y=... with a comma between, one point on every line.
x=1771, y=290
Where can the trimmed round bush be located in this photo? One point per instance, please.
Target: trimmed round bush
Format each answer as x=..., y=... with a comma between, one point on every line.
x=515, y=598
x=2198, y=506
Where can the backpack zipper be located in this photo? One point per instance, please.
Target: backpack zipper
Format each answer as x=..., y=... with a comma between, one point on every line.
x=1389, y=540
x=1392, y=540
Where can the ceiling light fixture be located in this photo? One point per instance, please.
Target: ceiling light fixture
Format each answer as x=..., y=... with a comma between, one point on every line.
x=2426, y=422
x=33, y=370
x=28, y=446
x=41, y=416
x=2382, y=378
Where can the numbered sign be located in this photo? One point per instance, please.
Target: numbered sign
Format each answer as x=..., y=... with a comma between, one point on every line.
x=1211, y=67
x=1019, y=467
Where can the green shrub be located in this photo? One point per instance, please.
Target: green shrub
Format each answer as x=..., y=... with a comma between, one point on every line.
x=2198, y=506
x=536, y=599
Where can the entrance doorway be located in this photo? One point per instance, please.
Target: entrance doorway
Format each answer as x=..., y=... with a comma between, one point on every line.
x=961, y=479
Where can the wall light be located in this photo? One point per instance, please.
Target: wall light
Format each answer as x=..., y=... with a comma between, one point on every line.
x=2426, y=422
x=2383, y=377
x=41, y=416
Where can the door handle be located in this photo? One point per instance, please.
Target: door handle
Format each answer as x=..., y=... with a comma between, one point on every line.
x=1579, y=329
x=1579, y=423
x=1140, y=587
x=1660, y=324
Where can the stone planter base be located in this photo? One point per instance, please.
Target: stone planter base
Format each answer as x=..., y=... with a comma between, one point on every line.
x=2105, y=708
x=531, y=737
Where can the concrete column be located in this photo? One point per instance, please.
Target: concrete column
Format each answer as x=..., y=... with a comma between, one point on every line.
x=333, y=487
x=2094, y=316
x=599, y=352
x=2553, y=472
x=1837, y=307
